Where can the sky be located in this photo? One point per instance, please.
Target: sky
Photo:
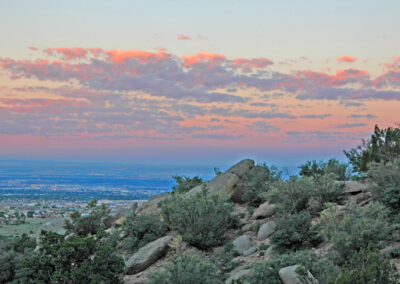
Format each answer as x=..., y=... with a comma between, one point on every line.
x=195, y=82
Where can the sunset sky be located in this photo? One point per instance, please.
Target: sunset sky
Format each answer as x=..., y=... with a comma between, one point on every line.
x=195, y=81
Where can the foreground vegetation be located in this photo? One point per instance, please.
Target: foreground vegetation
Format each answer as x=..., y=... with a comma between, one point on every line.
x=314, y=223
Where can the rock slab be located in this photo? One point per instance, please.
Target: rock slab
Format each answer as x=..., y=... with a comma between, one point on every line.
x=241, y=244
x=147, y=255
x=266, y=230
x=289, y=275
x=264, y=210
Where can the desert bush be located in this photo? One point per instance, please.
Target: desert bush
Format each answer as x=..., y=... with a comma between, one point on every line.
x=85, y=225
x=76, y=260
x=268, y=272
x=257, y=183
x=383, y=146
x=315, y=169
x=327, y=190
x=295, y=231
x=385, y=183
x=184, y=184
x=187, y=269
x=142, y=229
x=201, y=220
x=293, y=195
x=361, y=227
x=367, y=267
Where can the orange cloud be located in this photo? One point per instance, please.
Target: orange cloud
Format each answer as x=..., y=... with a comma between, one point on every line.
x=119, y=55
x=346, y=58
x=184, y=37
x=248, y=64
x=203, y=57
x=32, y=48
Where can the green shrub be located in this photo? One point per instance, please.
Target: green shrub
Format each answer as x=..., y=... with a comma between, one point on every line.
x=257, y=183
x=314, y=169
x=294, y=232
x=367, y=267
x=184, y=184
x=327, y=190
x=76, y=260
x=383, y=146
x=85, y=225
x=293, y=195
x=201, y=220
x=142, y=229
x=187, y=269
x=386, y=183
x=268, y=272
x=8, y=265
x=360, y=227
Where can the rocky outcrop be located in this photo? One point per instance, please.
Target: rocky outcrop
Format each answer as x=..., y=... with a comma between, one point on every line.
x=241, y=244
x=264, y=210
x=271, y=253
x=266, y=230
x=242, y=168
x=151, y=206
x=147, y=255
x=292, y=275
x=354, y=187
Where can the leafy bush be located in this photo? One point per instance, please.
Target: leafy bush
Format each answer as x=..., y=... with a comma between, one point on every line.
x=268, y=272
x=367, y=267
x=187, y=269
x=384, y=146
x=91, y=224
x=142, y=229
x=201, y=220
x=184, y=184
x=76, y=260
x=293, y=195
x=333, y=166
x=386, y=183
x=361, y=227
x=295, y=231
x=257, y=182
x=327, y=190
x=8, y=265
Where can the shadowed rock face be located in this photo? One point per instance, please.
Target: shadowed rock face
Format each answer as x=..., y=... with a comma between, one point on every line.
x=147, y=255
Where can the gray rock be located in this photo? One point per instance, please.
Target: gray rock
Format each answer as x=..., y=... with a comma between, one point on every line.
x=241, y=168
x=387, y=251
x=354, y=187
x=237, y=274
x=271, y=253
x=250, y=251
x=222, y=184
x=147, y=255
x=266, y=230
x=264, y=210
x=289, y=275
x=241, y=244
x=56, y=226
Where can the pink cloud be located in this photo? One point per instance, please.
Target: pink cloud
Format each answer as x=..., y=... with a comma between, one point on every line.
x=249, y=64
x=32, y=48
x=120, y=56
x=203, y=57
x=346, y=58
x=183, y=37
x=68, y=53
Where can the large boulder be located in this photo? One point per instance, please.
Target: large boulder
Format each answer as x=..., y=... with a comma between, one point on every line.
x=56, y=226
x=271, y=253
x=292, y=275
x=264, y=210
x=266, y=230
x=354, y=187
x=147, y=255
x=222, y=185
x=241, y=244
x=151, y=206
x=242, y=168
